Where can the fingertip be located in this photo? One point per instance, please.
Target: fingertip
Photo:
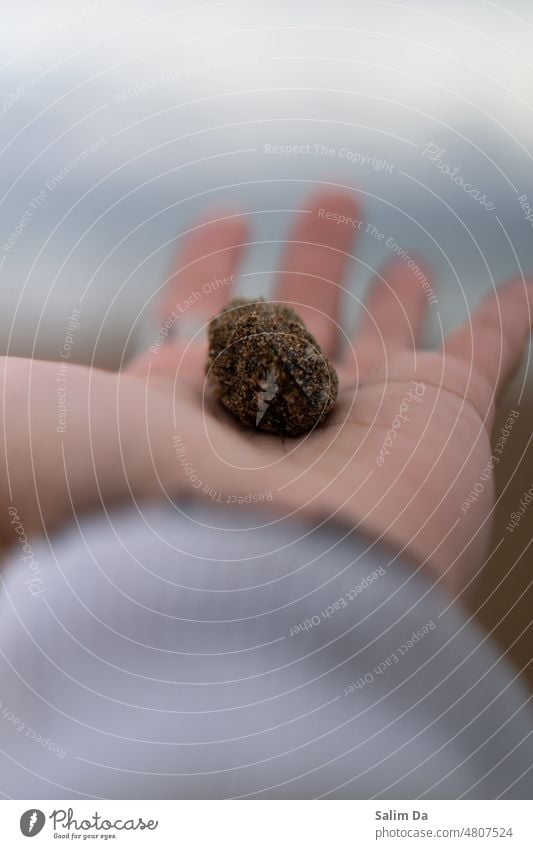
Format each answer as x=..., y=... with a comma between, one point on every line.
x=332, y=205
x=224, y=226
x=518, y=287
x=206, y=254
x=409, y=267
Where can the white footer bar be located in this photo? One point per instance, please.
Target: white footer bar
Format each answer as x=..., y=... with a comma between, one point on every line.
x=267, y=824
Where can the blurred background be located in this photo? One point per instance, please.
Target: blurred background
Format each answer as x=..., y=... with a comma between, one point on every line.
x=121, y=121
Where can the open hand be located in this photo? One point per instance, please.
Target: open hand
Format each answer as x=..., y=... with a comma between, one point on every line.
x=408, y=441
x=410, y=435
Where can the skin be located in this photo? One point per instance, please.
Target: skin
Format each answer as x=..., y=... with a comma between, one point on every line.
x=405, y=488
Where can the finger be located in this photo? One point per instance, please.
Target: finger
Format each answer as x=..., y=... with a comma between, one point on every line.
x=204, y=270
x=199, y=286
x=315, y=261
x=492, y=342
x=393, y=317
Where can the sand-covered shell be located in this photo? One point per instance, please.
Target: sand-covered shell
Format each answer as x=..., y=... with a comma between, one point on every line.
x=268, y=370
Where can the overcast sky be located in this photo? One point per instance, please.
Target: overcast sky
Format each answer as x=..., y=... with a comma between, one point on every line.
x=157, y=103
